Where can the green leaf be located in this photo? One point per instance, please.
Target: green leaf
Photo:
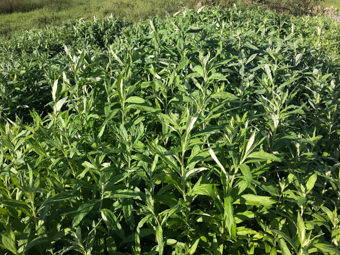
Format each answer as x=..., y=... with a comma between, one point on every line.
x=194, y=171
x=298, y=58
x=327, y=248
x=217, y=77
x=193, y=29
x=287, y=238
x=268, y=72
x=199, y=70
x=120, y=88
x=54, y=90
x=203, y=189
x=116, y=179
x=191, y=123
x=135, y=100
x=224, y=95
x=251, y=46
x=36, y=147
x=59, y=104
x=311, y=182
x=284, y=248
x=125, y=193
x=58, y=199
x=273, y=251
x=43, y=240
x=115, y=55
x=250, y=143
x=8, y=242
x=112, y=222
x=251, y=199
x=142, y=107
x=82, y=211
x=87, y=164
x=194, y=246
x=264, y=156
x=251, y=58
x=246, y=173
x=213, y=155
x=17, y=205
x=159, y=238
x=171, y=242
x=330, y=214
x=301, y=229
x=229, y=214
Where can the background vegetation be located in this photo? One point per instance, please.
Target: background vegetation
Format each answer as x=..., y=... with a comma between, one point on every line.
x=208, y=132
x=19, y=15
x=335, y=3
x=59, y=12
x=10, y=6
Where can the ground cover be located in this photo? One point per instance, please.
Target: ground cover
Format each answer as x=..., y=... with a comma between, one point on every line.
x=17, y=16
x=208, y=132
x=58, y=12
x=335, y=3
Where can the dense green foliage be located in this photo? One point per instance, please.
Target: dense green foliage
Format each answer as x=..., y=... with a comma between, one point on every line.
x=210, y=132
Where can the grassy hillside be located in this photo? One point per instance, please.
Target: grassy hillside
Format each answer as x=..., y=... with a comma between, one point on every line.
x=59, y=11
x=208, y=132
x=20, y=15
x=335, y=3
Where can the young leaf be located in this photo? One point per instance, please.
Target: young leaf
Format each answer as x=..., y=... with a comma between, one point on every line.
x=194, y=246
x=229, y=214
x=246, y=173
x=311, y=182
x=59, y=104
x=250, y=143
x=268, y=72
x=301, y=229
x=287, y=238
x=8, y=242
x=194, y=171
x=264, y=156
x=224, y=95
x=135, y=100
x=141, y=107
x=120, y=88
x=284, y=248
x=54, y=90
x=213, y=155
x=327, y=248
x=159, y=238
x=203, y=189
x=191, y=124
x=257, y=200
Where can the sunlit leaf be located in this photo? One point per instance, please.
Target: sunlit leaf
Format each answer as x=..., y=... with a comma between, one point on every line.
x=264, y=156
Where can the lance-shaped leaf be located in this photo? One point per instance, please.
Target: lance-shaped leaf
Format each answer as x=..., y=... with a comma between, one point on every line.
x=59, y=104
x=264, y=156
x=257, y=200
x=54, y=90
